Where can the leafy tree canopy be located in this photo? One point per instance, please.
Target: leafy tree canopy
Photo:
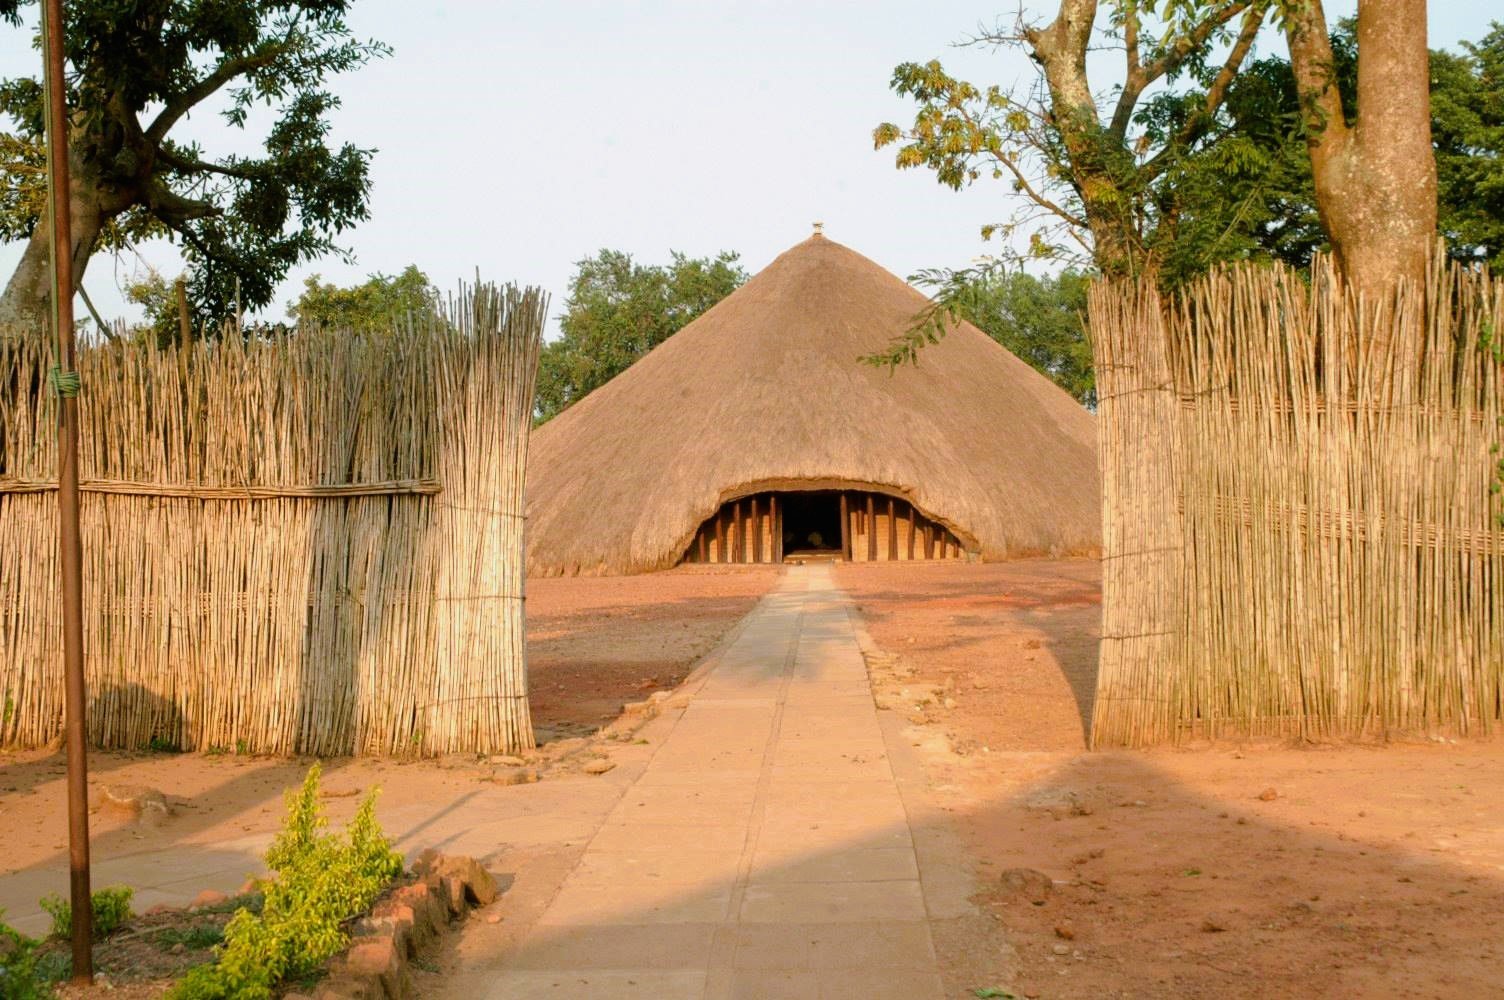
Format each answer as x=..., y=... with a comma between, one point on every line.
x=1040, y=319
x=136, y=70
x=1467, y=128
x=617, y=311
x=1212, y=166
x=375, y=304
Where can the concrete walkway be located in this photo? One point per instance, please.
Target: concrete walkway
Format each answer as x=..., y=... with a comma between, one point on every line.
x=763, y=852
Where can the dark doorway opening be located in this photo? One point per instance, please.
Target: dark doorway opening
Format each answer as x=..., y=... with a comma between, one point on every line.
x=811, y=522
x=774, y=526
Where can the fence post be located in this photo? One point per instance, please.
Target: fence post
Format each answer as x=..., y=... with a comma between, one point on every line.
x=1139, y=694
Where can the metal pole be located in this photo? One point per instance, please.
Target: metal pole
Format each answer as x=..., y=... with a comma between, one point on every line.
x=70, y=548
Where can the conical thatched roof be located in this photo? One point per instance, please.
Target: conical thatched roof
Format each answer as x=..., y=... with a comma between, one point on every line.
x=765, y=391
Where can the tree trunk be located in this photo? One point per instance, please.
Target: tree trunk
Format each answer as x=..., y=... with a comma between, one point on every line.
x=1375, y=180
x=28, y=294
x=1060, y=48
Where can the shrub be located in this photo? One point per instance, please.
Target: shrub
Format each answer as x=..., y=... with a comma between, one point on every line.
x=322, y=880
x=112, y=907
x=19, y=977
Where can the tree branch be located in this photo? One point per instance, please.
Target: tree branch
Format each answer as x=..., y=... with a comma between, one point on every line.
x=188, y=165
x=1133, y=87
x=1216, y=94
x=174, y=209
x=1186, y=46
x=226, y=71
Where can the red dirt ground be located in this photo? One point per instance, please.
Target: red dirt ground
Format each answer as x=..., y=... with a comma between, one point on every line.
x=594, y=644
x=1224, y=870
x=1374, y=871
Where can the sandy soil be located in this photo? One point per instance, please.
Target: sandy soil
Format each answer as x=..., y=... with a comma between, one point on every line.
x=595, y=643
x=1225, y=870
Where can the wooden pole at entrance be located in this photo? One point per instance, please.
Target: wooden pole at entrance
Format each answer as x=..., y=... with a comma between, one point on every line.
x=845, y=528
x=892, y=530
x=871, y=529
x=70, y=545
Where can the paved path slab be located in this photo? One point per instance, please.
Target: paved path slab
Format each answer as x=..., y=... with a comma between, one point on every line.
x=765, y=850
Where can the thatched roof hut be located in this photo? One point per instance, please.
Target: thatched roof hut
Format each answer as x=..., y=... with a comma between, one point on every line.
x=754, y=434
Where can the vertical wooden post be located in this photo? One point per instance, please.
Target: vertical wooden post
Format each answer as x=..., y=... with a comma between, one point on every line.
x=70, y=544
x=738, y=535
x=756, y=533
x=720, y=535
x=703, y=542
x=871, y=528
x=913, y=527
x=845, y=527
x=775, y=526
x=892, y=530
x=929, y=540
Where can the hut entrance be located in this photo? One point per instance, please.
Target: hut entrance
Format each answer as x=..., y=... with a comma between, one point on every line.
x=811, y=526
x=804, y=525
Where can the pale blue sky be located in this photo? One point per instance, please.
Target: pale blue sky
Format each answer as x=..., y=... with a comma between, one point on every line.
x=520, y=137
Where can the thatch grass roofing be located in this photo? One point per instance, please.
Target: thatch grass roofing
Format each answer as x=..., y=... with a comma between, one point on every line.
x=765, y=391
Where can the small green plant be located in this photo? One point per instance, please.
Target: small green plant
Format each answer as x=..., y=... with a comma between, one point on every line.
x=322, y=880
x=216, y=750
x=200, y=937
x=112, y=907
x=161, y=744
x=20, y=978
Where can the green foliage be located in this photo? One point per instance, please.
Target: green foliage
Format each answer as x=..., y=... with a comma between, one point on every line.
x=199, y=936
x=1191, y=190
x=1041, y=320
x=1467, y=127
x=112, y=907
x=619, y=310
x=383, y=300
x=322, y=880
x=136, y=71
x=20, y=977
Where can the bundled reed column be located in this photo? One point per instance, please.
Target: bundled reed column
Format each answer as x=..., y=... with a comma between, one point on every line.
x=1141, y=690
x=479, y=694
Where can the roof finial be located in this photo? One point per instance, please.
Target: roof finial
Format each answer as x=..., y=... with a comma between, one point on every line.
x=819, y=229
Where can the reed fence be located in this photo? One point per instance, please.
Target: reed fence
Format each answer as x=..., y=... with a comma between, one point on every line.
x=1300, y=537
x=308, y=544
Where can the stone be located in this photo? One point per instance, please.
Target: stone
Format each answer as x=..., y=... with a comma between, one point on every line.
x=178, y=948
x=599, y=765
x=659, y=697
x=350, y=987
x=505, y=760
x=1027, y=883
x=249, y=887
x=208, y=897
x=1268, y=795
x=516, y=776
x=1065, y=931
x=493, y=917
x=479, y=887
x=1061, y=949
x=427, y=915
x=1213, y=925
x=138, y=802
x=452, y=892
x=377, y=958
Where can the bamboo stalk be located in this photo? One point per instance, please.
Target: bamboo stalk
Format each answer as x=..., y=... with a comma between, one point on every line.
x=308, y=544
x=1298, y=530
